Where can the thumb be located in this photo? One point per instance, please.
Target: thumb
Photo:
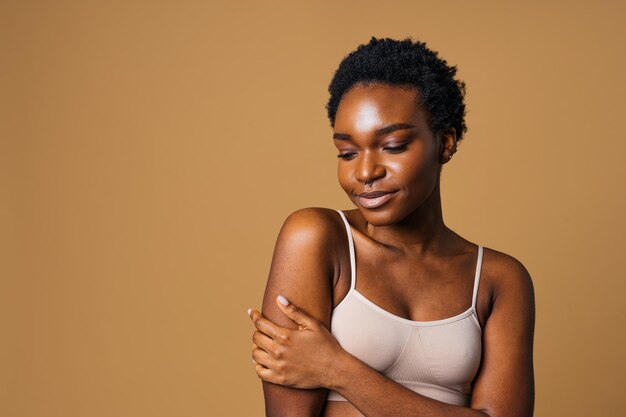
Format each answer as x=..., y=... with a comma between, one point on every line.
x=295, y=313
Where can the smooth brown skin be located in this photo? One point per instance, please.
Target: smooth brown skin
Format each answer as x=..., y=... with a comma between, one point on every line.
x=408, y=262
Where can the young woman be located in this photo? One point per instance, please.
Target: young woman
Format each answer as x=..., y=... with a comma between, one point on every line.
x=422, y=321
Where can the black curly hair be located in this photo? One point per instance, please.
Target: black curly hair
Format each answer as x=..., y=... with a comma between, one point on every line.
x=404, y=62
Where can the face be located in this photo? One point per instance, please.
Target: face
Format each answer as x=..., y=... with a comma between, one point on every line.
x=389, y=159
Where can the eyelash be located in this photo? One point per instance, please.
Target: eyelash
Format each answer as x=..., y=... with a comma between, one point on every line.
x=390, y=149
x=396, y=149
x=345, y=156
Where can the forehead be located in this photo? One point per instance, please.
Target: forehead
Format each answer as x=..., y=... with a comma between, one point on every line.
x=367, y=107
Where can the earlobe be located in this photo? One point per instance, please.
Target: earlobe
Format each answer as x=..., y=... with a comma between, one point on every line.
x=447, y=139
x=446, y=155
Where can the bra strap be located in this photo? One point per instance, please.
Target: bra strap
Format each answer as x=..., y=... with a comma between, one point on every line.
x=351, y=246
x=479, y=262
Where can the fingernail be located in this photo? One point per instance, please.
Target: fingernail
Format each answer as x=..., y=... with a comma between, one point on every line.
x=282, y=300
x=249, y=311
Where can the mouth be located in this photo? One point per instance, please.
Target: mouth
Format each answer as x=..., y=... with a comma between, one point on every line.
x=375, y=199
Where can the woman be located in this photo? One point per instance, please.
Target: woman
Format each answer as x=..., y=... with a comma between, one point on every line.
x=423, y=322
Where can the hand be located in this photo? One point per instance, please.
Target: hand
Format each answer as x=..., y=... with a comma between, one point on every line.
x=300, y=358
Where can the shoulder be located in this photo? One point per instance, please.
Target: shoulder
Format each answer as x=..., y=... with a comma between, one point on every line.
x=505, y=271
x=304, y=264
x=509, y=280
x=312, y=234
x=313, y=226
x=312, y=219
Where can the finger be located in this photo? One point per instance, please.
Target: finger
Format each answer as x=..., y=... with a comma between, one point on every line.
x=261, y=357
x=295, y=313
x=266, y=326
x=262, y=340
x=253, y=313
x=268, y=375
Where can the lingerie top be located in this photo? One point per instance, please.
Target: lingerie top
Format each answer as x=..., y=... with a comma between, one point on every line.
x=438, y=359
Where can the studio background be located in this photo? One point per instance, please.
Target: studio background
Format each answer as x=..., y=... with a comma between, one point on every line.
x=150, y=151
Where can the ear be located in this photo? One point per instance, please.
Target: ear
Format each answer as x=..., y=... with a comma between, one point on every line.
x=447, y=143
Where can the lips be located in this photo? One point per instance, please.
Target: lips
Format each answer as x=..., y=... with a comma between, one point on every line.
x=375, y=199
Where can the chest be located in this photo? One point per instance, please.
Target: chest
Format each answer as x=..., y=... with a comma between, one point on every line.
x=443, y=353
x=412, y=290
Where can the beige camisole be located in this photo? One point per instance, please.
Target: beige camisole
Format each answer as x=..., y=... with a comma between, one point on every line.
x=438, y=359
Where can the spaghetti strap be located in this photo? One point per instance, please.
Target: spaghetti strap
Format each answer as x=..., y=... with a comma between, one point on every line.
x=479, y=262
x=351, y=246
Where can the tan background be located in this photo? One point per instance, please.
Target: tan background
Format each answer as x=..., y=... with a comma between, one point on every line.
x=151, y=150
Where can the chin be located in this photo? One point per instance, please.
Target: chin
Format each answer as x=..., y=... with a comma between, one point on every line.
x=379, y=217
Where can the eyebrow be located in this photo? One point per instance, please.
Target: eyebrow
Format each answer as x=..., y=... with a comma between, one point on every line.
x=382, y=131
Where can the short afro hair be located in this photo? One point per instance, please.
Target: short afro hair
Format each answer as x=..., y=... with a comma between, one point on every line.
x=404, y=63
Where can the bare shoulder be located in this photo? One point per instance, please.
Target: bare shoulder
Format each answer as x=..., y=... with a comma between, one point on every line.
x=313, y=228
x=510, y=288
x=506, y=273
x=313, y=221
x=304, y=263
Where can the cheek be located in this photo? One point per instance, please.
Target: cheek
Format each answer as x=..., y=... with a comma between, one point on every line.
x=344, y=179
x=417, y=175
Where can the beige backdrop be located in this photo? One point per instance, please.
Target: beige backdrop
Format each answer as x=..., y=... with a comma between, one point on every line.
x=151, y=150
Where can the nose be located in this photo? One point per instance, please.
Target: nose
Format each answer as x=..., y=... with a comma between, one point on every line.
x=369, y=168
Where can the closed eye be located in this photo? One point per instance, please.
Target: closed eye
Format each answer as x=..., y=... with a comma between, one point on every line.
x=346, y=155
x=396, y=149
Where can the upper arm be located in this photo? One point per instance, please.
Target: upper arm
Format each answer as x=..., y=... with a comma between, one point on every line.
x=302, y=270
x=505, y=383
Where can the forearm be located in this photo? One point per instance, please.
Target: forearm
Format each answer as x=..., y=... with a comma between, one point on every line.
x=375, y=395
